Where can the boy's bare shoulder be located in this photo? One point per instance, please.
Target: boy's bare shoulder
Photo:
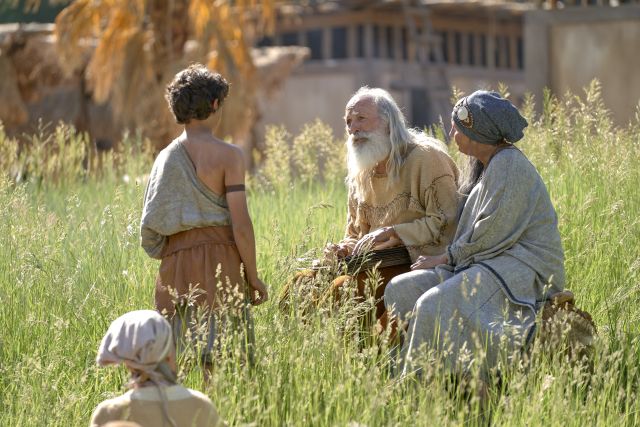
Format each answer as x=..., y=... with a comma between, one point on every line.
x=232, y=152
x=228, y=146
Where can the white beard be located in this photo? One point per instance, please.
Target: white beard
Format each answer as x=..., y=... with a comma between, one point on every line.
x=365, y=155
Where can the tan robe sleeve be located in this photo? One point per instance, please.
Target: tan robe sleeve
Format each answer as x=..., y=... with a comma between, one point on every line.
x=353, y=230
x=435, y=189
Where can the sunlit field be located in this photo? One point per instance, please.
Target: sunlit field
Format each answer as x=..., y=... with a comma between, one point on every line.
x=70, y=263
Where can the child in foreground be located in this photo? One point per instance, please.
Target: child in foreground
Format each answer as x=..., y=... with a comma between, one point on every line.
x=142, y=341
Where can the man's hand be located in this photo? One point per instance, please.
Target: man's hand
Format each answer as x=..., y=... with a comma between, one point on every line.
x=339, y=250
x=425, y=262
x=381, y=238
x=259, y=292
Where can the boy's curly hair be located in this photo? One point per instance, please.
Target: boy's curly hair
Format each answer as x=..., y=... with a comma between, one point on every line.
x=191, y=93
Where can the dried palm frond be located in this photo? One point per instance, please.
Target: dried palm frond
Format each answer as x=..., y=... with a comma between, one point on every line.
x=135, y=46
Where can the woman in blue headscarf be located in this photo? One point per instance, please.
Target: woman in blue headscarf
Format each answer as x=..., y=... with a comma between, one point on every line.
x=481, y=296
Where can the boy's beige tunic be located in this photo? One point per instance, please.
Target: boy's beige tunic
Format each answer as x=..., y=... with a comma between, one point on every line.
x=420, y=205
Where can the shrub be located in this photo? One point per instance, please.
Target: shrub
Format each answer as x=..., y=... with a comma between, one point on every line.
x=312, y=156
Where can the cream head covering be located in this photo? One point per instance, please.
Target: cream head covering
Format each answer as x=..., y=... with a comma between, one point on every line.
x=141, y=340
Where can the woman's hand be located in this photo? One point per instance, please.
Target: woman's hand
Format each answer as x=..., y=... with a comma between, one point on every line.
x=425, y=262
x=381, y=238
x=259, y=293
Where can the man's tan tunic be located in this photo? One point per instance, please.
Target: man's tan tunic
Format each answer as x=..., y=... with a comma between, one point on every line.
x=421, y=204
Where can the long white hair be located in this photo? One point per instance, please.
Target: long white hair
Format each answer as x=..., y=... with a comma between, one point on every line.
x=400, y=136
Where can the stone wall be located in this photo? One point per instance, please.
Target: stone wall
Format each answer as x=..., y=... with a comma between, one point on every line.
x=567, y=49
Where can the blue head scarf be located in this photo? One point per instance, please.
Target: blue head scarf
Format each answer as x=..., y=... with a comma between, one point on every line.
x=488, y=118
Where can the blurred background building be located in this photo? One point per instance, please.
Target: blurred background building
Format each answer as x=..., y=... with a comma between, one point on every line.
x=419, y=50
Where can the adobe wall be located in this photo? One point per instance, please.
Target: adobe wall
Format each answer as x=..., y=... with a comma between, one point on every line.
x=566, y=49
x=304, y=98
x=321, y=91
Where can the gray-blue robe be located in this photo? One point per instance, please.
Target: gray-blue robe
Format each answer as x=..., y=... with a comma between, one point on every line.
x=505, y=259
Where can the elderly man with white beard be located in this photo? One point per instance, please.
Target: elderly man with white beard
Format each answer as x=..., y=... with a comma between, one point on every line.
x=402, y=183
x=402, y=190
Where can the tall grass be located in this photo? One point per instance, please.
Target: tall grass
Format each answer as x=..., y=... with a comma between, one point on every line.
x=70, y=263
